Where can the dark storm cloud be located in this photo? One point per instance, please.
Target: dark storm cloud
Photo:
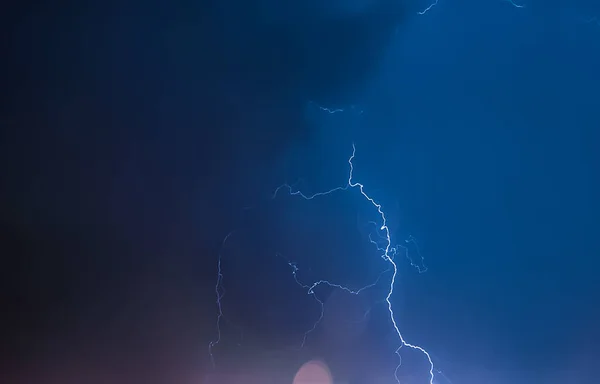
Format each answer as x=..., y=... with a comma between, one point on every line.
x=103, y=76
x=306, y=51
x=150, y=97
x=126, y=130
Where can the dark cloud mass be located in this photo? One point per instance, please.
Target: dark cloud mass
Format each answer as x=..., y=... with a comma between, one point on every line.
x=127, y=129
x=309, y=52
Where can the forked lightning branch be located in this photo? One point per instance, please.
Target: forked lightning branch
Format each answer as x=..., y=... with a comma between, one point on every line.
x=384, y=246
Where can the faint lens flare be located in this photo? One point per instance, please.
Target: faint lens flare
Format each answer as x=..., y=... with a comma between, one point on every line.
x=313, y=372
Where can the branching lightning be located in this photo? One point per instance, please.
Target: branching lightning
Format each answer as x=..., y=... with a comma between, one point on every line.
x=381, y=239
x=388, y=254
x=310, y=289
x=383, y=243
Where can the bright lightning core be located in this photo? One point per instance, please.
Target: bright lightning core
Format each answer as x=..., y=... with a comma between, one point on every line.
x=383, y=244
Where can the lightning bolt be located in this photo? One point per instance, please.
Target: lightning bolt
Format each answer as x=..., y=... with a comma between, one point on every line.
x=219, y=293
x=388, y=253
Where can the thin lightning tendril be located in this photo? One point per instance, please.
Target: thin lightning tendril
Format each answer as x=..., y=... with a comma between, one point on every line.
x=219, y=293
x=428, y=8
x=310, y=289
x=388, y=253
x=515, y=4
x=593, y=20
x=331, y=111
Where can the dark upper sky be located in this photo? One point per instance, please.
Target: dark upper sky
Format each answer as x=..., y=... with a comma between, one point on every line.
x=136, y=136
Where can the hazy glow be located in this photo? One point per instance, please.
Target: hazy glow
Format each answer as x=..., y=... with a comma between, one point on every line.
x=313, y=372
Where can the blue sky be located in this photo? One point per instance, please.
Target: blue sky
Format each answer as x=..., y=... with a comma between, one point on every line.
x=477, y=131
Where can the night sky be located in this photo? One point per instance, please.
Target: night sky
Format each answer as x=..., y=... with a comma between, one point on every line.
x=137, y=135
